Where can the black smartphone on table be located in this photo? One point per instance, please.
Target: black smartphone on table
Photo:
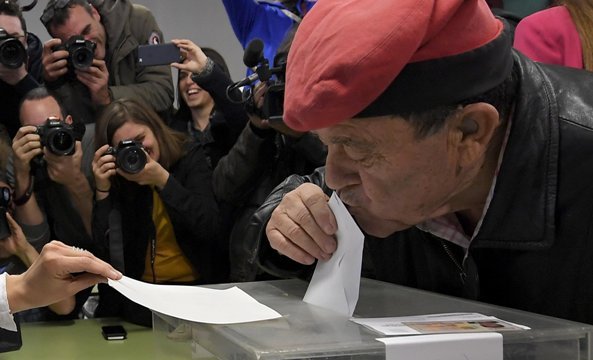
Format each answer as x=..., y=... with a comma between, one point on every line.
x=114, y=332
x=158, y=54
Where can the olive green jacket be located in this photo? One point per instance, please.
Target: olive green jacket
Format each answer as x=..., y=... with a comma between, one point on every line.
x=126, y=25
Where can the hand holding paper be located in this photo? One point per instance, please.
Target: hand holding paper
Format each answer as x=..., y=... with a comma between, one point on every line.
x=195, y=303
x=336, y=282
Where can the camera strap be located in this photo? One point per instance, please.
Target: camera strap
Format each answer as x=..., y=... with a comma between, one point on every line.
x=116, y=243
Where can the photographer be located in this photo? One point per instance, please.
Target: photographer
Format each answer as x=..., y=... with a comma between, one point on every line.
x=20, y=63
x=111, y=30
x=155, y=212
x=48, y=176
x=205, y=111
x=264, y=155
x=20, y=245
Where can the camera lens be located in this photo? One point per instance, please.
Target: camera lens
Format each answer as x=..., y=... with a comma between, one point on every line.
x=131, y=159
x=61, y=142
x=81, y=58
x=12, y=53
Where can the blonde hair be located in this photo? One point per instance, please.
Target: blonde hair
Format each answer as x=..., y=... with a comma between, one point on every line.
x=581, y=12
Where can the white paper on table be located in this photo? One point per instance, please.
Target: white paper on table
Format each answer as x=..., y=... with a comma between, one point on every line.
x=336, y=282
x=475, y=346
x=195, y=303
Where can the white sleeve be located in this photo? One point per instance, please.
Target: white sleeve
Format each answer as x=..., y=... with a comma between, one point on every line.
x=6, y=319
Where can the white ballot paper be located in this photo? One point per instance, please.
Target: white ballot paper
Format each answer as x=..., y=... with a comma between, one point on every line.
x=478, y=346
x=336, y=282
x=195, y=303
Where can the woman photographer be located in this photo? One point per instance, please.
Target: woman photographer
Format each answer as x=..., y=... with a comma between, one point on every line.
x=160, y=223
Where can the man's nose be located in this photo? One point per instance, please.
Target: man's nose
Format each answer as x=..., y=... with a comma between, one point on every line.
x=339, y=169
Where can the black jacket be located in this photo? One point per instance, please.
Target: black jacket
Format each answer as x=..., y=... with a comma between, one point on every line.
x=534, y=250
x=12, y=95
x=259, y=161
x=189, y=201
x=226, y=121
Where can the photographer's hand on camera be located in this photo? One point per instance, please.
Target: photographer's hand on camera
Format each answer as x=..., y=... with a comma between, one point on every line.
x=103, y=169
x=16, y=243
x=258, y=101
x=55, y=63
x=96, y=79
x=152, y=174
x=26, y=145
x=65, y=170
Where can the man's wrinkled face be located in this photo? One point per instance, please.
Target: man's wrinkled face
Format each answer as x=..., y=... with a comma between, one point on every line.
x=389, y=179
x=89, y=26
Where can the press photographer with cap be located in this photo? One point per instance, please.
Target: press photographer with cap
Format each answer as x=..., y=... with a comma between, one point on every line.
x=467, y=165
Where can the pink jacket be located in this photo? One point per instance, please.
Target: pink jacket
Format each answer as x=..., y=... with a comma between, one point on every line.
x=550, y=36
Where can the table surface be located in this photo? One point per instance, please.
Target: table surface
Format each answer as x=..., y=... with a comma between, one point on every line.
x=82, y=339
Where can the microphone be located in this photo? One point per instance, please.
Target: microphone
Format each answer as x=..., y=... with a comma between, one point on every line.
x=253, y=53
x=248, y=80
x=252, y=57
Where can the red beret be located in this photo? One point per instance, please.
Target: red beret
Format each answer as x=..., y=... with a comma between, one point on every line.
x=362, y=58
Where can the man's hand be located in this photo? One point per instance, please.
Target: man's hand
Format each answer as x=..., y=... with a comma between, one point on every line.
x=96, y=79
x=55, y=63
x=50, y=278
x=302, y=227
x=12, y=76
x=64, y=170
x=25, y=145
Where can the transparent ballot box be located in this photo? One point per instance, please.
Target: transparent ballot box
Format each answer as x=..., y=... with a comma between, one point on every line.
x=309, y=332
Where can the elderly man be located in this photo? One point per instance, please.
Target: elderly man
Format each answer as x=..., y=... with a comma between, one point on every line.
x=467, y=165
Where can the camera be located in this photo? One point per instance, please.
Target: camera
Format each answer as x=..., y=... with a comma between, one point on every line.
x=57, y=136
x=4, y=206
x=275, y=77
x=129, y=156
x=81, y=52
x=12, y=51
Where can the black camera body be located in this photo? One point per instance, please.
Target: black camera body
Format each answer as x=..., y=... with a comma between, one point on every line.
x=81, y=52
x=57, y=136
x=129, y=156
x=12, y=52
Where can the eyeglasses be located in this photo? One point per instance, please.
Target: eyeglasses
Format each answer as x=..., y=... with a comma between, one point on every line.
x=50, y=11
x=5, y=196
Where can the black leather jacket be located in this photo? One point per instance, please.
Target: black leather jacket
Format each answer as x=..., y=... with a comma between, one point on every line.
x=534, y=250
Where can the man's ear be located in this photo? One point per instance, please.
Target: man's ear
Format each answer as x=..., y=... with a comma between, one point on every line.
x=472, y=129
x=68, y=120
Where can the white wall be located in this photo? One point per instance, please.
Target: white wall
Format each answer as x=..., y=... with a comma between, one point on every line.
x=202, y=21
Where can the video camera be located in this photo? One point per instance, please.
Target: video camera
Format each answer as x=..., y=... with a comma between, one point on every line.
x=275, y=78
x=12, y=51
x=129, y=156
x=81, y=52
x=58, y=136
